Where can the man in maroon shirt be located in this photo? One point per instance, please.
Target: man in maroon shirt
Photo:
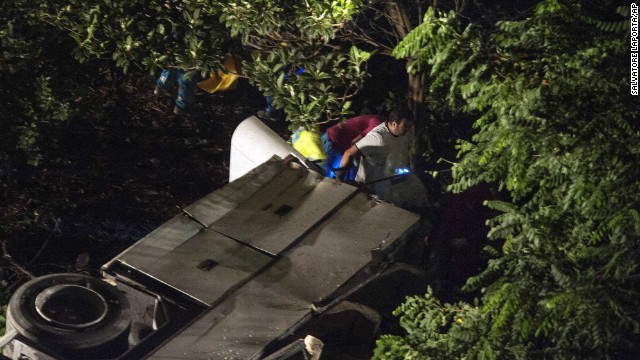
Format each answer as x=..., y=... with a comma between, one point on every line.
x=338, y=138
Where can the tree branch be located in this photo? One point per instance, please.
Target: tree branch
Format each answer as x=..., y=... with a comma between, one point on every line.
x=7, y=257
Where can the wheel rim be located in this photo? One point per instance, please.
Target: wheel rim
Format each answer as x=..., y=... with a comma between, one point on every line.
x=71, y=306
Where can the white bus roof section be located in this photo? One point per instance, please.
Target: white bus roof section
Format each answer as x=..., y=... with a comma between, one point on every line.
x=273, y=242
x=253, y=219
x=283, y=209
x=253, y=143
x=275, y=299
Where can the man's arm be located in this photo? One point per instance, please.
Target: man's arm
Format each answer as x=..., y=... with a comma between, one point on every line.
x=347, y=162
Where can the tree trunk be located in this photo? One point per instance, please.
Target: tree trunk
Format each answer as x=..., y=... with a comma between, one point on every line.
x=418, y=106
x=400, y=20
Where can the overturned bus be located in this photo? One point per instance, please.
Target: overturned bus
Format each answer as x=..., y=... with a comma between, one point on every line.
x=281, y=263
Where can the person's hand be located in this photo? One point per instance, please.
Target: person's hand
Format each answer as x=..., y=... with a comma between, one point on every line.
x=341, y=174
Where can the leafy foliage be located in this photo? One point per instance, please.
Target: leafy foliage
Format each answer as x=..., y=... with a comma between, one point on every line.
x=183, y=33
x=320, y=93
x=196, y=35
x=300, y=57
x=557, y=129
x=430, y=327
x=332, y=41
x=29, y=104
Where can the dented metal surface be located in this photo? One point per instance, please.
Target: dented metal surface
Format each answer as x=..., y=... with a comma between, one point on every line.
x=320, y=231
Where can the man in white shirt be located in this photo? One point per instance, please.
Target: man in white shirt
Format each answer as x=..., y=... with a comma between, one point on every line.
x=383, y=150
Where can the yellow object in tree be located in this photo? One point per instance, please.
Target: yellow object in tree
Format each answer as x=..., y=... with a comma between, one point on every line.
x=220, y=80
x=309, y=144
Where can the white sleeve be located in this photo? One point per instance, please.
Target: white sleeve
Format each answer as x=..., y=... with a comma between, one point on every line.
x=370, y=146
